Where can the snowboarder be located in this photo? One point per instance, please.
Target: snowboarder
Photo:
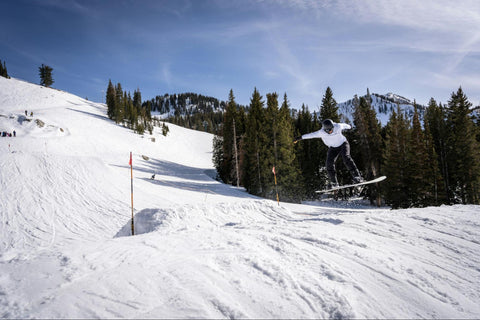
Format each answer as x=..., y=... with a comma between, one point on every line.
x=153, y=177
x=331, y=134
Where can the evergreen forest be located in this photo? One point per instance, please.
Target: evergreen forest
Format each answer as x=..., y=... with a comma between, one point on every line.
x=127, y=111
x=189, y=110
x=427, y=164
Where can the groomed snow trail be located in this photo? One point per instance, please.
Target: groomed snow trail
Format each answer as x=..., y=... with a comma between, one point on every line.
x=256, y=260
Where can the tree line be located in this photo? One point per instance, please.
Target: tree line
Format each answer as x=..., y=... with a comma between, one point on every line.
x=190, y=110
x=184, y=103
x=431, y=163
x=128, y=111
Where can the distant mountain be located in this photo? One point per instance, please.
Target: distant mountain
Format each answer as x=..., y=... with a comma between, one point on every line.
x=383, y=104
x=184, y=104
x=189, y=104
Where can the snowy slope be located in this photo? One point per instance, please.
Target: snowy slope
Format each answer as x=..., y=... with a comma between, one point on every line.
x=202, y=249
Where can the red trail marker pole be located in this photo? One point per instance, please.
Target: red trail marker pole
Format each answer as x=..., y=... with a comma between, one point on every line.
x=131, y=184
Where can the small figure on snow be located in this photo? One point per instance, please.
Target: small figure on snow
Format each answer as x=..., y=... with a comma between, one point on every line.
x=153, y=177
x=331, y=134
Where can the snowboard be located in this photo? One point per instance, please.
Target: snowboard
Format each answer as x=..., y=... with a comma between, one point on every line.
x=353, y=185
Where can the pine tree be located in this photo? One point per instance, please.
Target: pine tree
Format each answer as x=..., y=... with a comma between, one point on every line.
x=476, y=120
x=110, y=100
x=329, y=108
x=287, y=168
x=120, y=103
x=3, y=70
x=253, y=145
x=165, y=129
x=435, y=117
x=218, y=155
x=137, y=99
x=369, y=142
x=419, y=184
x=395, y=161
x=131, y=114
x=271, y=153
x=230, y=142
x=45, y=72
x=435, y=191
x=308, y=153
x=464, y=151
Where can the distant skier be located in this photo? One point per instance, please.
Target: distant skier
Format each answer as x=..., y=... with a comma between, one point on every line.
x=331, y=134
x=153, y=177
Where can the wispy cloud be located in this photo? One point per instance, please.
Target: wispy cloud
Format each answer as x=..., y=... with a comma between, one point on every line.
x=436, y=15
x=451, y=82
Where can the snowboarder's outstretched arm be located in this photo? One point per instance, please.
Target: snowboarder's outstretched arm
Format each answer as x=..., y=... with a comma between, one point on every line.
x=317, y=134
x=332, y=138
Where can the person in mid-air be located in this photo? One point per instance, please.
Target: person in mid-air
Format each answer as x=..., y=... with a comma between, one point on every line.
x=331, y=134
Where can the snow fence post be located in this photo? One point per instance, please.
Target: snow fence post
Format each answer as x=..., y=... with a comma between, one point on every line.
x=131, y=184
x=276, y=189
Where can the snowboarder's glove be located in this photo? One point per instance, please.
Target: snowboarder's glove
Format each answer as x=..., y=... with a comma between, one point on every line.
x=297, y=139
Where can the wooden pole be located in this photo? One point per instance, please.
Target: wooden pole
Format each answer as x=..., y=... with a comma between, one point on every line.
x=276, y=189
x=131, y=184
x=236, y=153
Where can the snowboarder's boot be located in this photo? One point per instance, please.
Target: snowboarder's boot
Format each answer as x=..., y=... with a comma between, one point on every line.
x=357, y=177
x=333, y=183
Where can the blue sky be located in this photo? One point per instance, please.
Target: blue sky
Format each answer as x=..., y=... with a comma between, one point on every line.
x=417, y=49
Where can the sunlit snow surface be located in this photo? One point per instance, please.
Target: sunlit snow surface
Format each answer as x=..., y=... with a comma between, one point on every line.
x=202, y=249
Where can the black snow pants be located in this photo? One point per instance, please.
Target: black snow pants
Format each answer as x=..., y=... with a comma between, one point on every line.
x=332, y=156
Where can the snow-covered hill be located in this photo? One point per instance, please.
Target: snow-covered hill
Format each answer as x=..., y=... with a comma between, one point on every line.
x=202, y=249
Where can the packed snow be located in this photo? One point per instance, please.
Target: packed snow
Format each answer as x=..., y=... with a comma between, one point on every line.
x=202, y=249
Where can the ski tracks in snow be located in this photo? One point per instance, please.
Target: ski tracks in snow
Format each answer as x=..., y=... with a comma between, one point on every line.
x=254, y=240
x=243, y=258
x=43, y=205
x=254, y=259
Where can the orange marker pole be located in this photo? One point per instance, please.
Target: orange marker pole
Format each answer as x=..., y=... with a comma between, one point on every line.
x=131, y=184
